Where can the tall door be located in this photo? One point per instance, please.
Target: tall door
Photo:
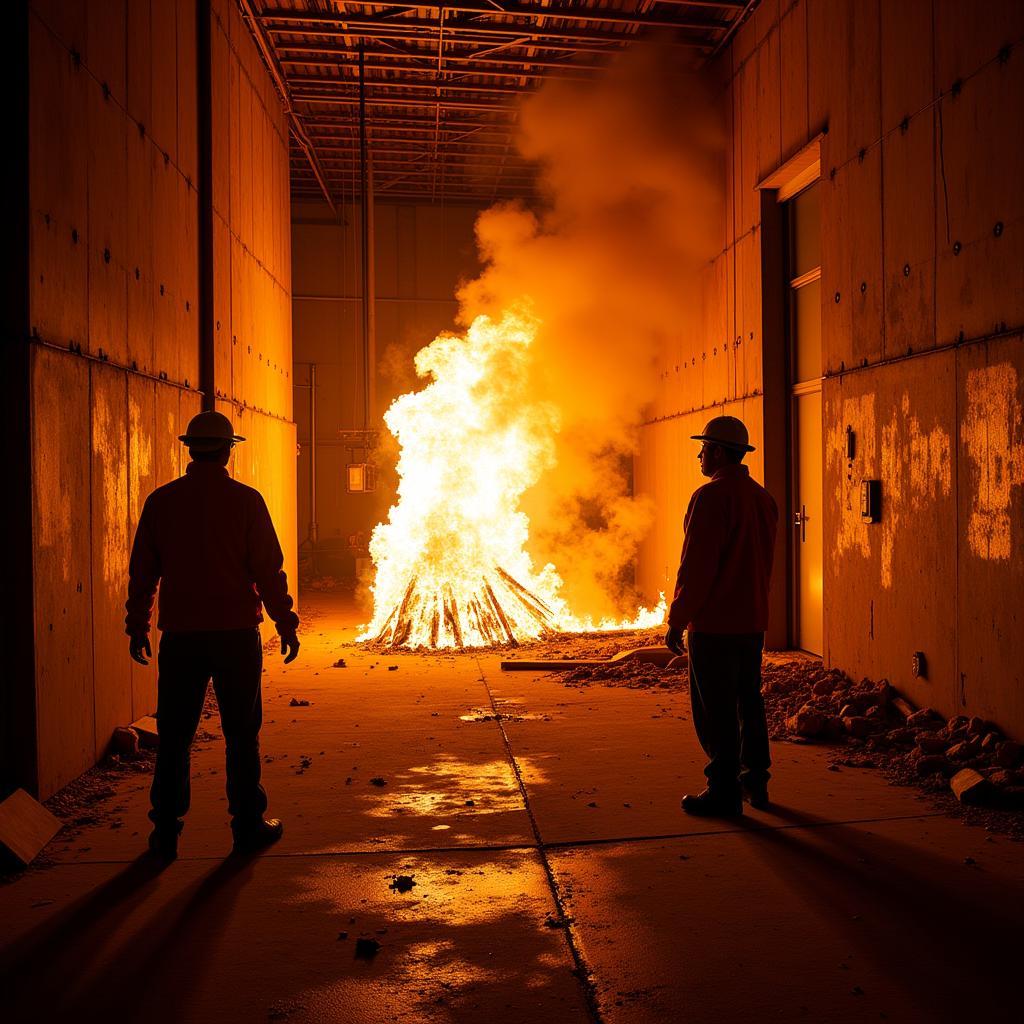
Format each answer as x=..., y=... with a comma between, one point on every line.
x=805, y=416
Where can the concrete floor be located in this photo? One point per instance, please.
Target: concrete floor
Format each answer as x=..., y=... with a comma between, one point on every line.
x=850, y=901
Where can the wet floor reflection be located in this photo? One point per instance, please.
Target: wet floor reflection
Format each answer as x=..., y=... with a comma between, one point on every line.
x=451, y=786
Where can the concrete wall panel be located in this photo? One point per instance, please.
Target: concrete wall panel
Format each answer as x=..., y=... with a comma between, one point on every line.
x=906, y=176
x=164, y=76
x=902, y=425
x=107, y=235
x=795, y=120
x=58, y=193
x=990, y=470
x=111, y=668
x=141, y=481
x=187, y=138
x=138, y=58
x=63, y=598
x=908, y=215
x=139, y=253
x=981, y=208
x=907, y=59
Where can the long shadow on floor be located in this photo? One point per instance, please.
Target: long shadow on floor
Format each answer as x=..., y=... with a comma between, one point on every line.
x=951, y=939
x=59, y=974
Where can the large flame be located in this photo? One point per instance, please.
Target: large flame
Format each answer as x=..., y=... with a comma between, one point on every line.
x=451, y=560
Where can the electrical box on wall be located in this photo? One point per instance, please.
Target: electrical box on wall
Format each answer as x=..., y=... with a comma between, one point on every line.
x=362, y=476
x=870, y=501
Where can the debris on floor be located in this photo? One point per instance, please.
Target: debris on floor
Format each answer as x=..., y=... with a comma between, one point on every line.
x=298, y=702
x=402, y=883
x=340, y=663
x=366, y=949
x=378, y=781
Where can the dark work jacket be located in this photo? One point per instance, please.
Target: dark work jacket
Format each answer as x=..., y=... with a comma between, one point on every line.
x=209, y=542
x=726, y=565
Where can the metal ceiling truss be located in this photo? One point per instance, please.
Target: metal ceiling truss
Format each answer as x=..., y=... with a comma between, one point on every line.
x=443, y=83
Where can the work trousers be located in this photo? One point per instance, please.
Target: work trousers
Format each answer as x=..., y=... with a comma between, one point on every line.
x=728, y=710
x=188, y=661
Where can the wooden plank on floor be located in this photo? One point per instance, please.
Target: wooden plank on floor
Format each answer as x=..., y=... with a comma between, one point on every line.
x=26, y=826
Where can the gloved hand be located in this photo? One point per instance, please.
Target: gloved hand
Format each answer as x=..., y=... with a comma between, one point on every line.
x=290, y=647
x=138, y=648
x=674, y=639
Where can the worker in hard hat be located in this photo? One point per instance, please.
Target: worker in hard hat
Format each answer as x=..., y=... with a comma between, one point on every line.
x=209, y=542
x=721, y=601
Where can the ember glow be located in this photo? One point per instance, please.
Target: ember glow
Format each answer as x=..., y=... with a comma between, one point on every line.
x=452, y=569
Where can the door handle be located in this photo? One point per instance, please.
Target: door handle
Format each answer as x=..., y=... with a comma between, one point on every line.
x=800, y=522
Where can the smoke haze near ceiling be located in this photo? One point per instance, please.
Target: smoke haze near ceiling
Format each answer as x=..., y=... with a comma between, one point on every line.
x=632, y=177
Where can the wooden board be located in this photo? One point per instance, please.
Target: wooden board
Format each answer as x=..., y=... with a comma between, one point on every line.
x=110, y=549
x=62, y=569
x=26, y=826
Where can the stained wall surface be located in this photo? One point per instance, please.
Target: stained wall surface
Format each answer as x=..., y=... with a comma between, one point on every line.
x=922, y=313
x=115, y=349
x=422, y=252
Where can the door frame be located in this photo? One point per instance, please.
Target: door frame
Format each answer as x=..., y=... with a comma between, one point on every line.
x=795, y=174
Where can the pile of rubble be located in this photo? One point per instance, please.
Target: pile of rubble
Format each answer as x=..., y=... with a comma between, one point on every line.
x=969, y=755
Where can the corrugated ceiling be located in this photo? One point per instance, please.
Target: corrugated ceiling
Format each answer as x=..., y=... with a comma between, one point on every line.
x=443, y=83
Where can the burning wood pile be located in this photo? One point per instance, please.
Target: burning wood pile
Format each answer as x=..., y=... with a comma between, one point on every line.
x=452, y=569
x=498, y=611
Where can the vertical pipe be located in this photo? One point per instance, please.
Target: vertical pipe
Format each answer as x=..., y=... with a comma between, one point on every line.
x=314, y=526
x=366, y=233
x=204, y=132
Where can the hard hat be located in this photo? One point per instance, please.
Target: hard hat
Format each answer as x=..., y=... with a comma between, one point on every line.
x=209, y=431
x=727, y=431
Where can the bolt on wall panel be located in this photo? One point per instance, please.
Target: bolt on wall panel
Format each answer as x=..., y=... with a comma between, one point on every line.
x=61, y=569
x=110, y=549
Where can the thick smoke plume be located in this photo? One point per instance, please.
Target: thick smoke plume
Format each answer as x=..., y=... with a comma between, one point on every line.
x=631, y=175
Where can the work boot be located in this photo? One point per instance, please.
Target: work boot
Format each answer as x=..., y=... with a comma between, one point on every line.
x=712, y=805
x=756, y=794
x=163, y=841
x=253, y=838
